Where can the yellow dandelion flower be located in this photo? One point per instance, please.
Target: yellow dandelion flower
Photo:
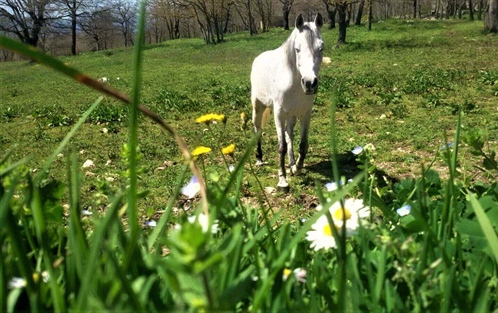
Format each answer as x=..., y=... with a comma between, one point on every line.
x=200, y=150
x=228, y=150
x=210, y=118
x=244, y=120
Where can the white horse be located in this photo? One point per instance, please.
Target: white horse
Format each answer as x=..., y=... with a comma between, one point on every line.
x=285, y=79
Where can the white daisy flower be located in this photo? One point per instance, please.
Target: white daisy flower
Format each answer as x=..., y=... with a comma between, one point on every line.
x=204, y=222
x=192, y=188
x=321, y=236
x=354, y=210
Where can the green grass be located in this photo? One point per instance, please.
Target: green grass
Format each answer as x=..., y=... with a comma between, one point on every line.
x=416, y=74
x=407, y=88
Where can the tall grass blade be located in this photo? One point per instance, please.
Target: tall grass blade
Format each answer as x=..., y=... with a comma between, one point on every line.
x=133, y=137
x=41, y=234
x=98, y=240
x=77, y=243
x=487, y=228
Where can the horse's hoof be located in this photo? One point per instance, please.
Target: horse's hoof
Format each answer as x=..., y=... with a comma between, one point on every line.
x=296, y=170
x=283, y=186
x=259, y=162
x=284, y=189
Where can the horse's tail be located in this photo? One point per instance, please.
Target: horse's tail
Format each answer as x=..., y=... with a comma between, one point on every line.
x=266, y=115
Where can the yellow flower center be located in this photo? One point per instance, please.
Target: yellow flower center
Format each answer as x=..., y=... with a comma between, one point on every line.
x=327, y=230
x=341, y=215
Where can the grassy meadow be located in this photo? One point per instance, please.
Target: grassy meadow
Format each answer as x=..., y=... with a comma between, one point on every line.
x=399, y=88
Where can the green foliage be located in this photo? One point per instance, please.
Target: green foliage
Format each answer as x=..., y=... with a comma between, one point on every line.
x=110, y=113
x=236, y=255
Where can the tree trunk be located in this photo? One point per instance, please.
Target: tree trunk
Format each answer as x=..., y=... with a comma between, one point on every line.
x=285, y=13
x=370, y=15
x=331, y=12
x=491, y=17
x=342, y=11
x=414, y=8
x=73, y=33
x=359, y=15
x=479, y=10
x=252, y=29
x=471, y=10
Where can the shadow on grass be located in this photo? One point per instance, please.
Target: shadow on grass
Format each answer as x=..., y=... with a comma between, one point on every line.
x=348, y=166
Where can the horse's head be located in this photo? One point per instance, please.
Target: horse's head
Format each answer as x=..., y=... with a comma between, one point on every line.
x=308, y=45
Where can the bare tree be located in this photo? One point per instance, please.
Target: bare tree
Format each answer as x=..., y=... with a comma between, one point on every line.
x=331, y=13
x=359, y=15
x=286, y=8
x=211, y=15
x=343, y=9
x=491, y=17
x=76, y=9
x=124, y=14
x=26, y=18
x=244, y=10
x=264, y=8
x=99, y=28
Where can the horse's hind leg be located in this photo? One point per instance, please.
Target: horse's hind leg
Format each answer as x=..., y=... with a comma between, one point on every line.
x=258, y=110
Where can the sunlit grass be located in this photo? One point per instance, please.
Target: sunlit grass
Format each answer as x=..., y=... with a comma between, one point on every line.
x=128, y=230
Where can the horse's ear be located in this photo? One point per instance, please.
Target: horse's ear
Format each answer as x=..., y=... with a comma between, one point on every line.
x=299, y=22
x=319, y=20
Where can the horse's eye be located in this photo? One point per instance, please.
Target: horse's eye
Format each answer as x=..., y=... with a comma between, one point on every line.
x=298, y=50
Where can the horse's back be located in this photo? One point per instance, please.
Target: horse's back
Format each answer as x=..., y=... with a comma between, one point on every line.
x=261, y=75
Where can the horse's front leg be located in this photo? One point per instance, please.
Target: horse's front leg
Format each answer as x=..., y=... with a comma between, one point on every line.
x=303, y=145
x=289, y=137
x=282, y=150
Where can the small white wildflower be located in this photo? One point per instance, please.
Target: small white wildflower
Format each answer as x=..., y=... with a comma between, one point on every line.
x=404, y=210
x=192, y=188
x=86, y=212
x=300, y=274
x=88, y=163
x=151, y=223
x=357, y=150
x=231, y=168
x=17, y=282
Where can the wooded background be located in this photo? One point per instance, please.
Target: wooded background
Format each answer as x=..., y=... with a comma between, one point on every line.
x=64, y=27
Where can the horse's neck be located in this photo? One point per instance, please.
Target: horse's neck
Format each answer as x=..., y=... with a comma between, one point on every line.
x=290, y=54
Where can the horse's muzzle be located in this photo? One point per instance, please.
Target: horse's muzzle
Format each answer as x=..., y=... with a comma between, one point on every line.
x=310, y=87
